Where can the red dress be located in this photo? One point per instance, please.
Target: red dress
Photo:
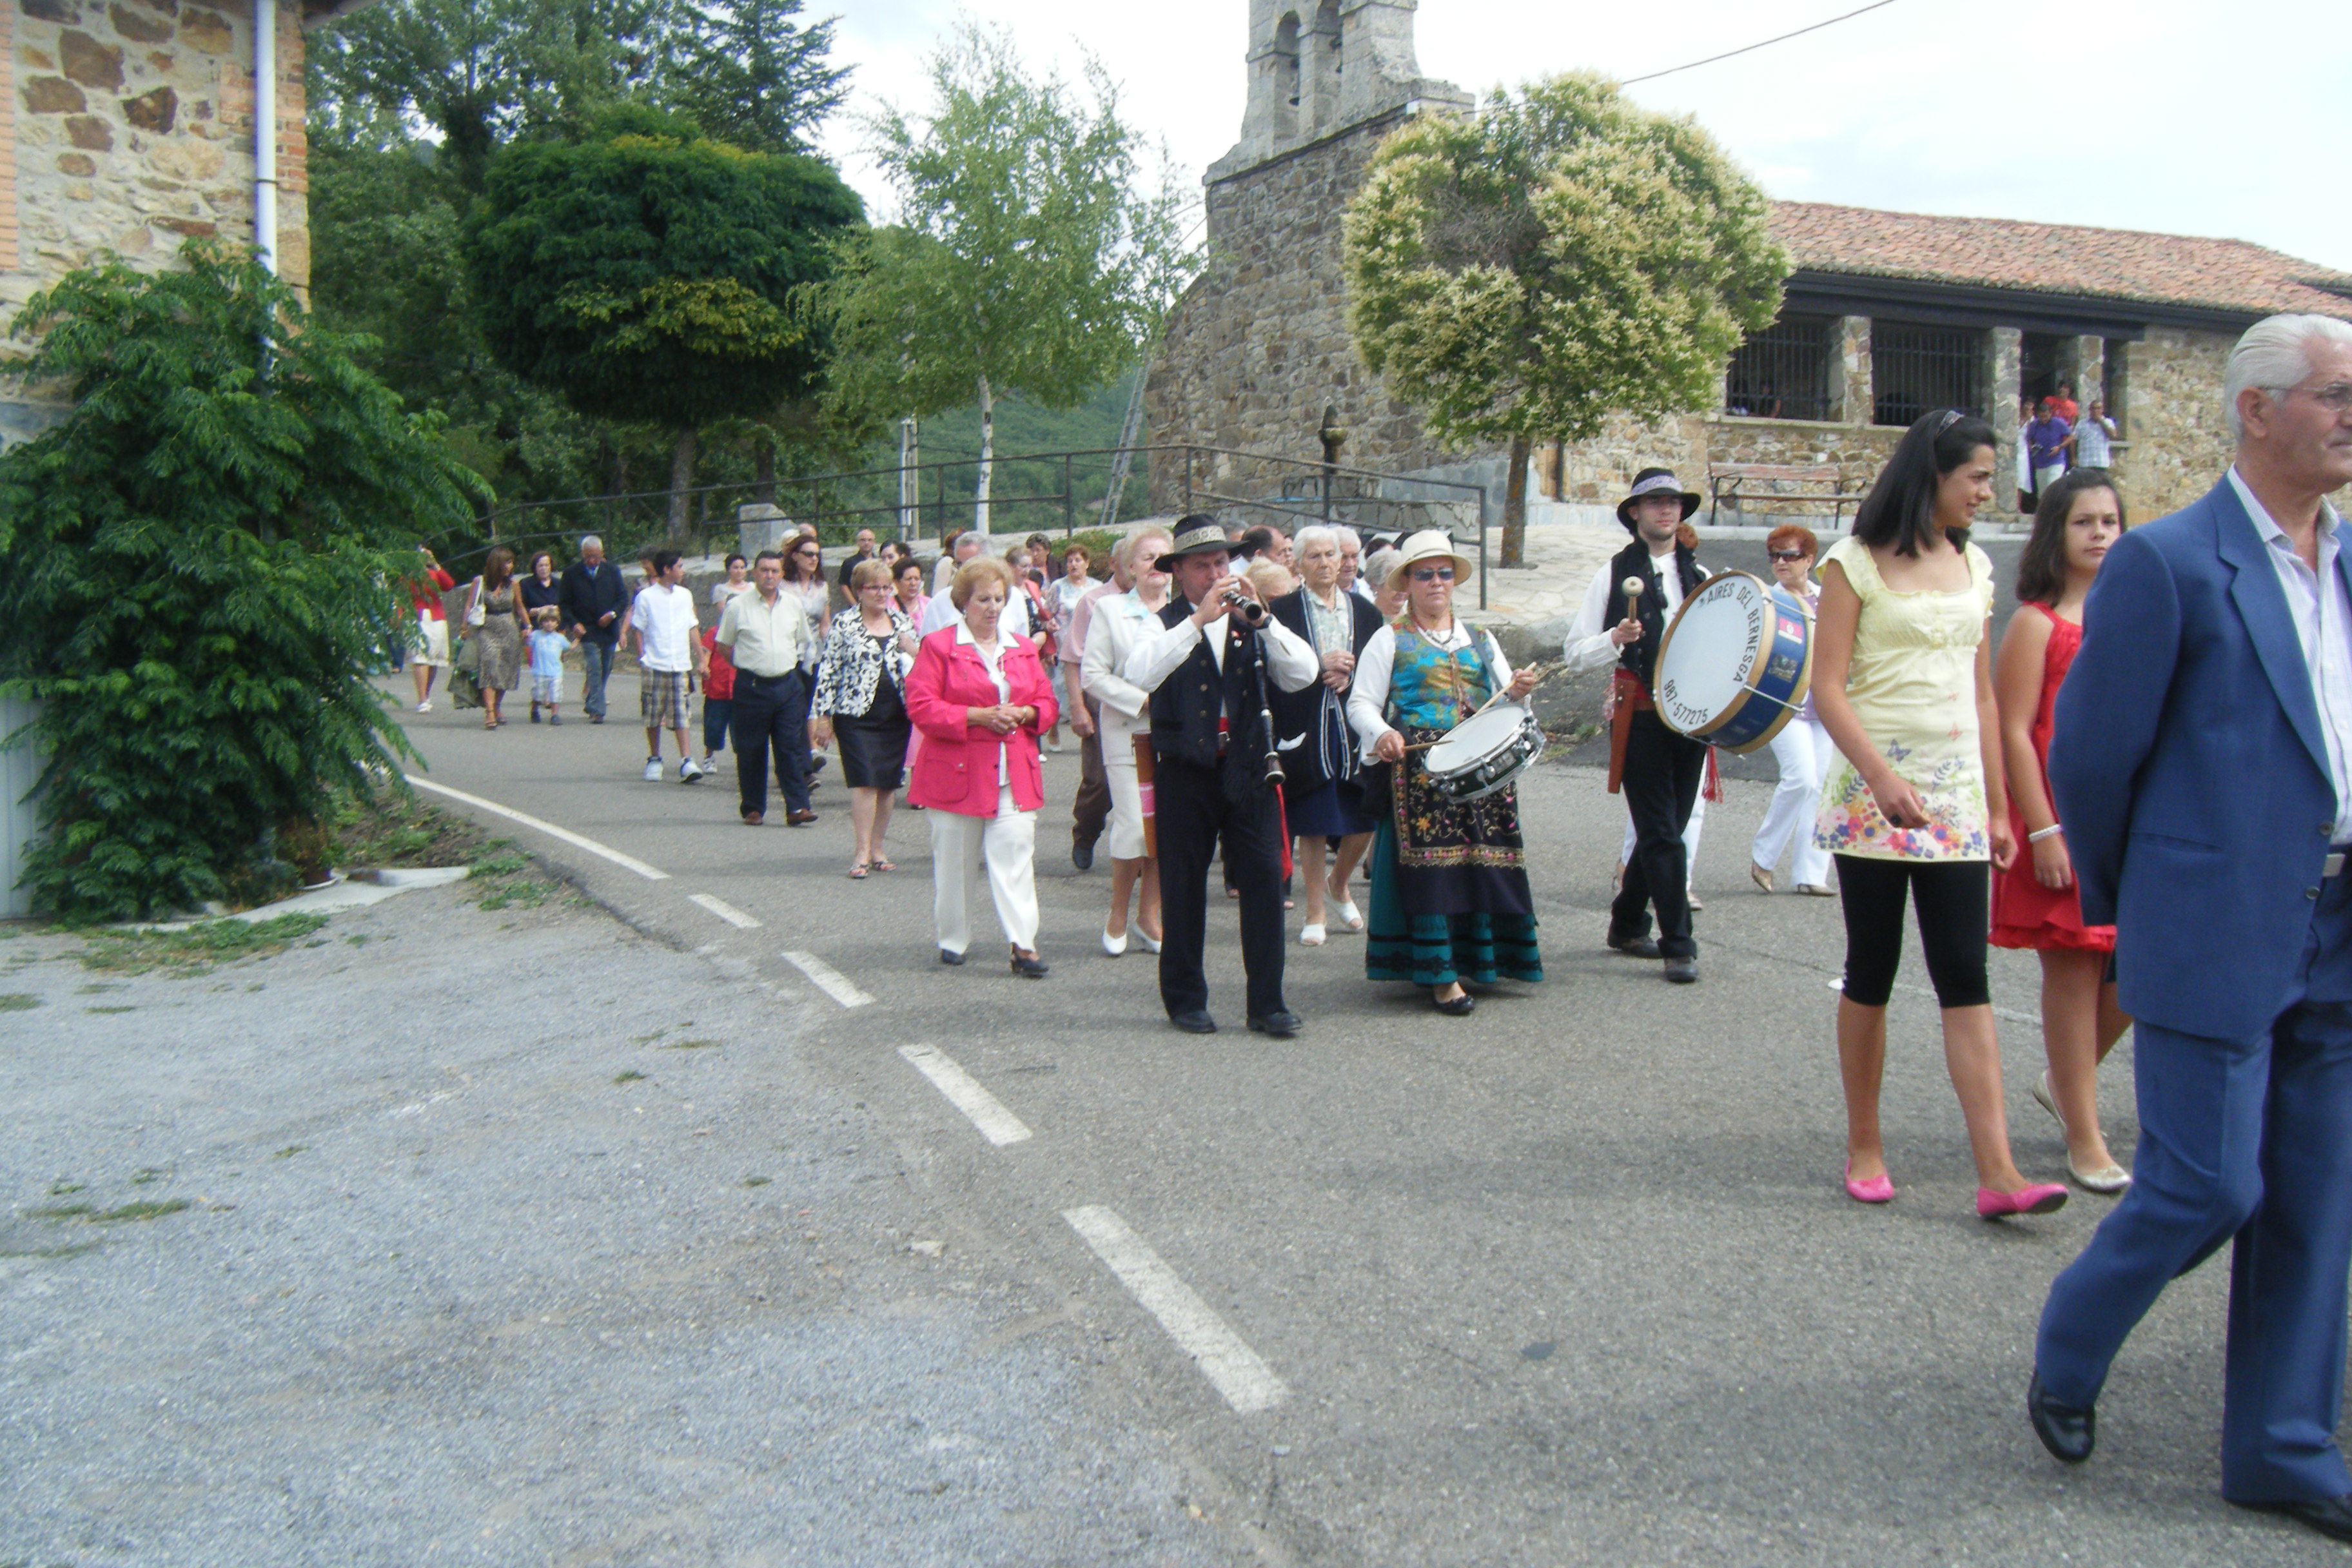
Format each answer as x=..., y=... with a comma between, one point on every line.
x=2024, y=912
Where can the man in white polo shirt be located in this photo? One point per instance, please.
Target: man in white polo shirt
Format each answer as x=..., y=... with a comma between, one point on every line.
x=661, y=630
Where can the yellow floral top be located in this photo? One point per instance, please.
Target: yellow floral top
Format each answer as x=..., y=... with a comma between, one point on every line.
x=1913, y=684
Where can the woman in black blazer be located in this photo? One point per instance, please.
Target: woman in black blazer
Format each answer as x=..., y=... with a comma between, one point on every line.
x=1322, y=793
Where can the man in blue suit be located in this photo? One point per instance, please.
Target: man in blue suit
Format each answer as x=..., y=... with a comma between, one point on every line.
x=2202, y=768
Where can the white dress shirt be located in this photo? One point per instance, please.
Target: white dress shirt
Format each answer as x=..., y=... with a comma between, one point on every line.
x=991, y=659
x=941, y=612
x=762, y=639
x=2323, y=625
x=1290, y=664
x=1368, y=699
x=1587, y=647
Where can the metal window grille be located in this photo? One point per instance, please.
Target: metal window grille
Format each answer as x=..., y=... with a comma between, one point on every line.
x=1782, y=371
x=2112, y=382
x=1915, y=368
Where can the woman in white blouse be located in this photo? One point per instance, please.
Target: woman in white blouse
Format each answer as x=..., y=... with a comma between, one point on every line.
x=1120, y=622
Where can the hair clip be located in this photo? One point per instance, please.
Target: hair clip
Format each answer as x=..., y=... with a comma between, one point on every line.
x=1951, y=417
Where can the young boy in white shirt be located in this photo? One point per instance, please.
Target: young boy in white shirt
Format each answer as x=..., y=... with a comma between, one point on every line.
x=662, y=626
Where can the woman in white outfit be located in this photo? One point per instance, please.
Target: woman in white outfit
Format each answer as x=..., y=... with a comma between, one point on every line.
x=1118, y=622
x=1802, y=748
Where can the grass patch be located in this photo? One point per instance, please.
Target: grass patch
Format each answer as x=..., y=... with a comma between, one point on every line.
x=692, y=1045
x=141, y=1208
x=70, y=1249
x=62, y=1211
x=393, y=828
x=631, y=1076
x=507, y=877
x=62, y=1187
x=291, y=1150
x=18, y=1002
x=146, y=1175
x=122, y=1009
x=757, y=1181
x=648, y=1040
x=189, y=951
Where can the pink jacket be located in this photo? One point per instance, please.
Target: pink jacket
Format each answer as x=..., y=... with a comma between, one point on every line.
x=955, y=768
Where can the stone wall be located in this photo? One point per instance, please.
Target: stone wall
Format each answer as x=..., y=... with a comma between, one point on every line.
x=2177, y=437
x=132, y=129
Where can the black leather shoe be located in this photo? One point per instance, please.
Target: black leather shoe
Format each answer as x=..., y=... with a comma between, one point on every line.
x=1636, y=946
x=1196, y=1022
x=947, y=957
x=1082, y=856
x=2331, y=1516
x=1028, y=965
x=1682, y=970
x=1458, y=1008
x=1282, y=1026
x=2069, y=1434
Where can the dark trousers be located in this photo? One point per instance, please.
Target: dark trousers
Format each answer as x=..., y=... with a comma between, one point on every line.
x=595, y=669
x=771, y=714
x=1091, y=808
x=1952, y=898
x=1190, y=813
x=1663, y=771
x=716, y=714
x=2249, y=1142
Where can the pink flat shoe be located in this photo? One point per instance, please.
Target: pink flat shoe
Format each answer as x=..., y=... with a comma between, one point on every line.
x=1878, y=1189
x=2045, y=1197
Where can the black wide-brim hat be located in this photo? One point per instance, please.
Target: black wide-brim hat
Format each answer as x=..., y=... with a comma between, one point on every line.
x=1195, y=534
x=1652, y=483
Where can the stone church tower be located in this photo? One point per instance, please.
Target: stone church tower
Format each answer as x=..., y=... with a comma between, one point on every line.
x=1259, y=344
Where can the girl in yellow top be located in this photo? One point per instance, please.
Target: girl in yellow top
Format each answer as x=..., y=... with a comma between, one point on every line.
x=1902, y=682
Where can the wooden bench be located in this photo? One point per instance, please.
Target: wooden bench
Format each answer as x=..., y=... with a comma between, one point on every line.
x=1726, y=483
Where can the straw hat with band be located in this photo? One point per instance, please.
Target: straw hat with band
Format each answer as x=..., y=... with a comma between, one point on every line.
x=1195, y=534
x=1429, y=544
x=1655, y=482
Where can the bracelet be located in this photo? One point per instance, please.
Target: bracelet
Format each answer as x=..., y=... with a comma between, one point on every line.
x=2039, y=833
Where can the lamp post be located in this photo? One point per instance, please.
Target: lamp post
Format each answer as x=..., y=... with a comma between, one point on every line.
x=1332, y=435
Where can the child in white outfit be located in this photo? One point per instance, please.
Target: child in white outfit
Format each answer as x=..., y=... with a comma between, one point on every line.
x=547, y=646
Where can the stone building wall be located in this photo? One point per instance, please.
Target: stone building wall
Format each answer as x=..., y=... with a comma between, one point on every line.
x=132, y=130
x=2177, y=439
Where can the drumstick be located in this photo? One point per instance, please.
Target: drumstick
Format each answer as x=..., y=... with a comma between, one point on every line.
x=1632, y=587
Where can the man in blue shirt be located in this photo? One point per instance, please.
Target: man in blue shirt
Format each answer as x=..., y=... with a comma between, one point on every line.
x=2045, y=438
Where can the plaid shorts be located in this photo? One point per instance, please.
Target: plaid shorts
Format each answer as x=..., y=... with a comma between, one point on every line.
x=547, y=689
x=661, y=698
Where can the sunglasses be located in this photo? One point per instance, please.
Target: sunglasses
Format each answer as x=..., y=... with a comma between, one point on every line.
x=1786, y=555
x=1433, y=574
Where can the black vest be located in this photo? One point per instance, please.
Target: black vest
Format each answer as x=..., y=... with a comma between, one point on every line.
x=1186, y=705
x=1635, y=561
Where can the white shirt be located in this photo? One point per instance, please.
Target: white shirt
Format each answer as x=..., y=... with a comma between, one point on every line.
x=992, y=661
x=1115, y=627
x=2092, y=439
x=1368, y=699
x=761, y=638
x=942, y=613
x=663, y=616
x=1587, y=647
x=2323, y=625
x=1289, y=662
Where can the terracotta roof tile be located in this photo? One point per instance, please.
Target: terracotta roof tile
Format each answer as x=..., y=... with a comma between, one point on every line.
x=2062, y=258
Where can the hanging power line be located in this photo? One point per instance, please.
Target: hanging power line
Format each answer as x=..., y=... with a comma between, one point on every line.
x=1751, y=48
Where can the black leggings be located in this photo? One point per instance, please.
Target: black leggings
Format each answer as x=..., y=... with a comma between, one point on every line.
x=1952, y=897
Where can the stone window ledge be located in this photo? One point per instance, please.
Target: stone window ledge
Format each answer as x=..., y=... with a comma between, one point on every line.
x=1757, y=419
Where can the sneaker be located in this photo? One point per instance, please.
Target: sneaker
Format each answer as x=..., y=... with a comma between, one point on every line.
x=653, y=770
x=709, y=762
x=688, y=770
x=555, y=718
x=425, y=708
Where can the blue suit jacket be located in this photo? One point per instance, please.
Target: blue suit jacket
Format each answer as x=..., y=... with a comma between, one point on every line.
x=2191, y=774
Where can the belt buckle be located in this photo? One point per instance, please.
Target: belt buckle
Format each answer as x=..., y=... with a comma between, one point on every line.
x=2334, y=865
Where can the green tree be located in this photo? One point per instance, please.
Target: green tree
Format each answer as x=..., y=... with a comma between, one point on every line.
x=748, y=74
x=1563, y=257
x=649, y=273
x=1028, y=256
x=198, y=569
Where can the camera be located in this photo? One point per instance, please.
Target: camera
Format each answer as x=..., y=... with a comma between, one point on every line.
x=1251, y=612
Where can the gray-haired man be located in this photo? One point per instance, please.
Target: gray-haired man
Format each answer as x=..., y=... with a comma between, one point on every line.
x=591, y=599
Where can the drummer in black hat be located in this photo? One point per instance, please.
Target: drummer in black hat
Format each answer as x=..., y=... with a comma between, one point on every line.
x=1209, y=671
x=1659, y=771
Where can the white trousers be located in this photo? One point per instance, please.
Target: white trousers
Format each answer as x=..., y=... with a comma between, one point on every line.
x=960, y=847
x=1690, y=839
x=1803, y=748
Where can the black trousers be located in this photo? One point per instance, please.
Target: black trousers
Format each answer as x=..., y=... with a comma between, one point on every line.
x=772, y=715
x=1662, y=773
x=1953, y=900
x=1091, y=807
x=1189, y=813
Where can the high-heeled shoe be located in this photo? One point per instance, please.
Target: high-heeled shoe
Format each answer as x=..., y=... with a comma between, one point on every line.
x=1144, y=939
x=2041, y=1197
x=1029, y=966
x=1114, y=945
x=1878, y=1189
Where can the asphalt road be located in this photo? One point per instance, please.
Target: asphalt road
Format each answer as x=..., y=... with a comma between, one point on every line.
x=1570, y=1280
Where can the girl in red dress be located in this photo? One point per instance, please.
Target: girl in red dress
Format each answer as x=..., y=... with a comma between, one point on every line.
x=2034, y=902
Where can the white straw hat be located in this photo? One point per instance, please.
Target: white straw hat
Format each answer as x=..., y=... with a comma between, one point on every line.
x=1429, y=544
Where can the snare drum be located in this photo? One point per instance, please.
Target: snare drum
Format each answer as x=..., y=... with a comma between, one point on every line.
x=1483, y=752
x=1735, y=663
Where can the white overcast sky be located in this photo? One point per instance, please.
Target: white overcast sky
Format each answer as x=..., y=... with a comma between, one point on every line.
x=2179, y=116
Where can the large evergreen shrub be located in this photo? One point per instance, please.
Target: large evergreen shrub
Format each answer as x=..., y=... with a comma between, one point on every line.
x=198, y=569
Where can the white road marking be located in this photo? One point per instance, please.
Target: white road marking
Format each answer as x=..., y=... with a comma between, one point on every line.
x=1247, y=1383
x=631, y=862
x=829, y=979
x=724, y=911
x=984, y=1109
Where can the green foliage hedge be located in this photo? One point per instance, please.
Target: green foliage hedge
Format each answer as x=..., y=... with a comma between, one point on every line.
x=198, y=570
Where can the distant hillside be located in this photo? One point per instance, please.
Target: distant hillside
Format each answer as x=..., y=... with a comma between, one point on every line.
x=1021, y=428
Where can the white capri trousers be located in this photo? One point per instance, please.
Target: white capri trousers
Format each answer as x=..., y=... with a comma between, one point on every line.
x=1803, y=748
x=960, y=845
x=1125, y=839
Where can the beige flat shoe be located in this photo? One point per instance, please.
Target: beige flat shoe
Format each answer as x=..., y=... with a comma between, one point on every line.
x=1762, y=876
x=2108, y=1178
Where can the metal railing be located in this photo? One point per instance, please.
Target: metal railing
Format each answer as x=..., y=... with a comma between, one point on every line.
x=1031, y=492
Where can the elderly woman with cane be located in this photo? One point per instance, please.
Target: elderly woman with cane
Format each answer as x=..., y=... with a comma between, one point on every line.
x=1450, y=896
x=980, y=697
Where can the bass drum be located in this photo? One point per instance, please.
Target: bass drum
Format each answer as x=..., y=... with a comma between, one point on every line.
x=1735, y=663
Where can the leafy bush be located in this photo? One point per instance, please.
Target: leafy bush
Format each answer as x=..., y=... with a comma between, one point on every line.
x=198, y=568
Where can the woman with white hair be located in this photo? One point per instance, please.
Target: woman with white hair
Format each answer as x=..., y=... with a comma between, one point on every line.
x=1323, y=795
x=1118, y=622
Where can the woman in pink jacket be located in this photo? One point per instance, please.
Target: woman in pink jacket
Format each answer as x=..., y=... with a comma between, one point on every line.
x=980, y=699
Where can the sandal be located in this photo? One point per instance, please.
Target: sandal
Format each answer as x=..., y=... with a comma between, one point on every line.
x=882, y=865
x=857, y=872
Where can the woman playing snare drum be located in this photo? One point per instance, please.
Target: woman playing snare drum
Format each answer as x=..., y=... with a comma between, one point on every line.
x=1449, y=900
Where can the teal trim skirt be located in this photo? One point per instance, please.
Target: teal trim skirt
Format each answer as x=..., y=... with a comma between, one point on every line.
x=1439, y=950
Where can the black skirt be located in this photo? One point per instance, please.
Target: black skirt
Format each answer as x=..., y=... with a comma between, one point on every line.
x=874, y=743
